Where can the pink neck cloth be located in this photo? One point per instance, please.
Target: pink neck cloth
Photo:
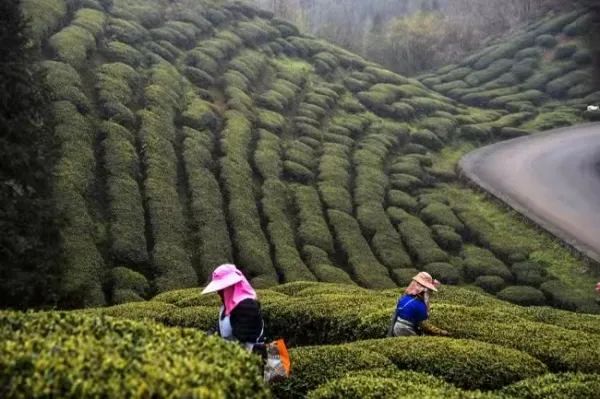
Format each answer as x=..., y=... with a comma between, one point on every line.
x=234, y=294
x=414, y=288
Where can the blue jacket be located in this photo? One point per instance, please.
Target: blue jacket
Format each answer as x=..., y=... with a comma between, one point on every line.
x=411, y=309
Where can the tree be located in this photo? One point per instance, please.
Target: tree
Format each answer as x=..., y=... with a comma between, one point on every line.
x=28, y=243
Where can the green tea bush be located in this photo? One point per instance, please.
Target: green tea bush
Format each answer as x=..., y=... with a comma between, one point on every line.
x=123, y=279
x=565, y=51
x=249, y=237
x=403, y=277
x=364, y=267
x=494, y=70
x=491, y=284
x=123, y=193
x=438, y=213
x=529, y=273
x=583, y=57
x=546, y=41
x=399, y=384
x=72, y=45
x=335, y=197
x=199, y=114
x=297, y=172
x=444, y=272
x=43, y=366
x=206, y=203
x=560, y=86
x=65, y=84
x=82, y=270
x=446, y=237
x=419, y=242
x=401, y=199
x=556, y=24
x=481, y=262
x=301, y=153
x=267, y=156
x=318, y=262
x=198, y=77
x=123, y=52
x=312, y=229
x=405, y=182
x=522, y=295
x=534, y=96
x=555, y=386
x=464, y=363
x=314, y=366
x=126, y=31
x=282, y=238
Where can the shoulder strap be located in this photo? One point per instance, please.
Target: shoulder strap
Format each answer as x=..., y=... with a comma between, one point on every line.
x=406, y=304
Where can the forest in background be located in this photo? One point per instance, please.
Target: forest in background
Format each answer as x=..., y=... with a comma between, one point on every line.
x=410, y=36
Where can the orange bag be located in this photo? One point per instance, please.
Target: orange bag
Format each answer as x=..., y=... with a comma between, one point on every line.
x=278, y=363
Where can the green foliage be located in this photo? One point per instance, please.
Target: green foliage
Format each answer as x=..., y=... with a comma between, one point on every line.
x=522, y=295
x=446, y=237
x=123, y=194
x=438, y=213
x=417, y=237
x=565, y=51
x=46, y=16
x=64, y=84
x=465, y=364
x=314, y=366
x=364, y=267
x=480, y=262
x=126, y=281
x=560, y=86
x=43, y=365
x=282, y=238
x=555, y=386
x=72, y=45
x=398, y=198
x=123, y=52
x=214, y=245
x=444, y=272
x=319, y=263
x=400, y=383
x=491, y=284
x=546, y=41
x=312, y=229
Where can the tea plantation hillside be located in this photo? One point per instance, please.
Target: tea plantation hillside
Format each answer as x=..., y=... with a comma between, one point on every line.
x=495, y=350
x=194, y=133
x=545, y=69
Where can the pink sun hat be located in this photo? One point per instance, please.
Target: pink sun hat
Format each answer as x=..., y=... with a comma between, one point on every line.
x=224, y=276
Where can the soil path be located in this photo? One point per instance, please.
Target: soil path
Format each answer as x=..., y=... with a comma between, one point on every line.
x=552, y=178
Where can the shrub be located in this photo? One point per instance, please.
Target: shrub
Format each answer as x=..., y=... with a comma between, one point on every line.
x=282, y=239
x=122, y=52
x=364, y=267
x=529, y=273
x=312, y=229
x=121, y=164
x=72, y=45
x=403, y=277
x=562, y=296
x=335, y=197
x=480, y=262
x=583, y=57
x=530, y=52
x=319, y=263
x=405, y=182
x=522, y=295
x=438, y=213
x=446, y=237
x=198, y=77
x=45, y=341
x=491, y=284
x=555, y=386
x=123, y=278
x=417, y=237
x=401, y=199
x=427, y=139
x=475, y=132
x=561, y=85
x=401, y=383
x=464, y=363
x=444, y=272
x=313, y=366
x=206, y=203
x=565, y=51
x=546, y=41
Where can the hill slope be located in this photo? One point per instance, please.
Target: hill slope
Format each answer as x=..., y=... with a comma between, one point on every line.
x=197, y=133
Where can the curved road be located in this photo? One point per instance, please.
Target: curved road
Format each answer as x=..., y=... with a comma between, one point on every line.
x=552, y=178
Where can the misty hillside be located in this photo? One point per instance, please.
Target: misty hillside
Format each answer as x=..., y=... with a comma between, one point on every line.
x=194, y=133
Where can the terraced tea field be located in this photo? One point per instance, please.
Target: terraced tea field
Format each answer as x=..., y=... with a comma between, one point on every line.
x=197, y=133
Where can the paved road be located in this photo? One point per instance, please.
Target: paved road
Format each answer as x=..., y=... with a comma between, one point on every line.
x=553, y=178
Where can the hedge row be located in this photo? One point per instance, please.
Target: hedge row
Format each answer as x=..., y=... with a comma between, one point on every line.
x=164, y=97
x=312, y=228
x=206, y=202
x=282, y=238
x=64, y=84
x=252, y=247
x=417, y=237
x=37, y=361
x=82, y=270
x=363, y=266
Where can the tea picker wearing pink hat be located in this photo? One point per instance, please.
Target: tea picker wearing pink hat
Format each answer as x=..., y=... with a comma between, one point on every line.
x=240, y=317
x=412, y=309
